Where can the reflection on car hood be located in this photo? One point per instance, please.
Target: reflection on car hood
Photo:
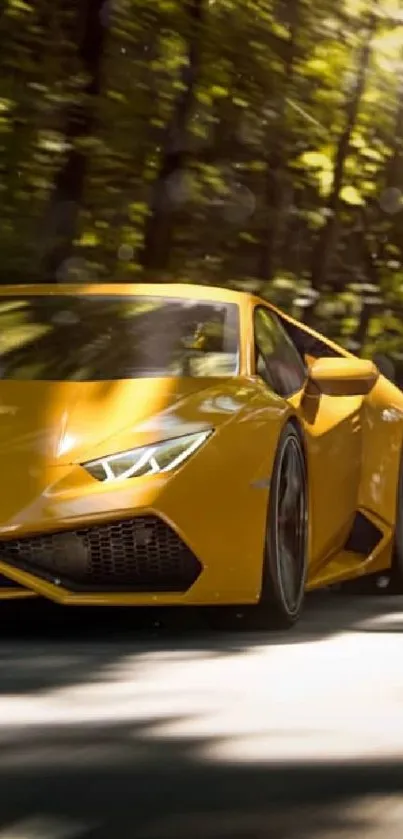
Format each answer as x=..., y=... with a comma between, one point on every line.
x=67, y=422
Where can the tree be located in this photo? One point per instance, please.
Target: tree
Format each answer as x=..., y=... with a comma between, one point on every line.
x=61, y=220
x=278, y=187
x=256, y=143
x=175, y=145
x=326, y=240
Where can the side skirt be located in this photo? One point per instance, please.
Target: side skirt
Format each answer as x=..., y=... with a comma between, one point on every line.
x=368, y=550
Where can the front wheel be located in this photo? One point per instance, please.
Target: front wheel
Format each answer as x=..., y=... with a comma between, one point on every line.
x=285, y=560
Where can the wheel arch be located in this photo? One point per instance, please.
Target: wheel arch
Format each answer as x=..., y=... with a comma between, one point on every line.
x=294, y=421
x=382, y=454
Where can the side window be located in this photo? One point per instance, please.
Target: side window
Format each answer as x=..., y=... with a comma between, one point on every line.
x=307, y=344
x=277, y=360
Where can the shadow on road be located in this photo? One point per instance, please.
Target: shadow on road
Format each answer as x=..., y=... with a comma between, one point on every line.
x=99, y=635
x=115, y=785
x=79, y=643
x=116, y=776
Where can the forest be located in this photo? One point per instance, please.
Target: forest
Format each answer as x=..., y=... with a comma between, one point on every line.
x=254, y=143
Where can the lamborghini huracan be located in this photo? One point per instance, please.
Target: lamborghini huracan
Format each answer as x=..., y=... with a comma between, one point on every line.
x=187, y=445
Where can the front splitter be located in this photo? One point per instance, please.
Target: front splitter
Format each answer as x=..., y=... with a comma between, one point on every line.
x=43, y=588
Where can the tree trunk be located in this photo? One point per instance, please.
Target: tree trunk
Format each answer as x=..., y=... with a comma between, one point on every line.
x=394, y=169
x=393, y=179
x=66, y=198
x=277, y=190
x=325, y=246
x=159, y=226
x=365, y=249
x=367, y=308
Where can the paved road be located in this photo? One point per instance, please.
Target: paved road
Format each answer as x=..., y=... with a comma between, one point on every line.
x=115, y=725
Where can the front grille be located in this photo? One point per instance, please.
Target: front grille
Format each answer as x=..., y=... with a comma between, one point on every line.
x=140, y=554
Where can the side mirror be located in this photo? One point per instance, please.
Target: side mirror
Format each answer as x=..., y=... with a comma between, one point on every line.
x=341, y=377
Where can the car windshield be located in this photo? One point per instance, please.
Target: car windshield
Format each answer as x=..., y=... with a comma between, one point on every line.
x=100, y=338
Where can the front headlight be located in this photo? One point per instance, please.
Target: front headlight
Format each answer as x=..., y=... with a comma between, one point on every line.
x=148, y=460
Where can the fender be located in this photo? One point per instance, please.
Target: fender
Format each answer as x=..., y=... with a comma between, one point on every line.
x=382, y=449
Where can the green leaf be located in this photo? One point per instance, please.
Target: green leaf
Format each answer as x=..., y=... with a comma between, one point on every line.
x=350, y=195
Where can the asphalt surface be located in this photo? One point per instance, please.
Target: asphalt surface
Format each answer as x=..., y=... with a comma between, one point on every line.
x=161, y=726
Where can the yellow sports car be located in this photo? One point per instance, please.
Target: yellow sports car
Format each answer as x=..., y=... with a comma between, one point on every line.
x=187, y=445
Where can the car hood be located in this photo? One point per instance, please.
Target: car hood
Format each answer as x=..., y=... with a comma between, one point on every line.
x=61, y=423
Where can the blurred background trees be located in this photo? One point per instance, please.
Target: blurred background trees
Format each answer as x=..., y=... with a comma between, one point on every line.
x=257, y=143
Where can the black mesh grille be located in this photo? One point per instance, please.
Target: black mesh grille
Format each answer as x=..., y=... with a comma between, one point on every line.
x=140, y=554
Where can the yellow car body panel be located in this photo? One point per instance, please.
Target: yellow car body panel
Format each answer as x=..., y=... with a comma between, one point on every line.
x=217, y=501
x=196, y=501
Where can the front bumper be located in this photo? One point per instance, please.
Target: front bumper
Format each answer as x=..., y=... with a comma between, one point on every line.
x=9, y=590
x=192, y=538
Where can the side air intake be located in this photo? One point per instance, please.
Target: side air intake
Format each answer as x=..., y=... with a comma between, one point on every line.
x=364, y=536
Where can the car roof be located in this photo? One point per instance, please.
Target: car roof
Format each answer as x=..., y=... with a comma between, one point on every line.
x=181, y=290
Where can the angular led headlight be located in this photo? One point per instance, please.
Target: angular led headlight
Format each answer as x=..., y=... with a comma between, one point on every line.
x=148, y=460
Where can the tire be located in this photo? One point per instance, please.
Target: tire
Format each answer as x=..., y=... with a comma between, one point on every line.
x=285, y=561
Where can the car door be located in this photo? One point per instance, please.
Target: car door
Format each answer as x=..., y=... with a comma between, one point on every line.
x=332, y=429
